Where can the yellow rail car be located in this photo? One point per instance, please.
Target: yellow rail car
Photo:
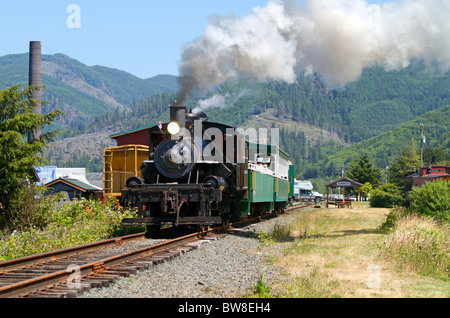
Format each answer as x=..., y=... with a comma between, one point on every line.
x=119, y=164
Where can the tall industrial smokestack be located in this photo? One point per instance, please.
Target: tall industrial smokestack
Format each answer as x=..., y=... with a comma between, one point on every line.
x=35, y=79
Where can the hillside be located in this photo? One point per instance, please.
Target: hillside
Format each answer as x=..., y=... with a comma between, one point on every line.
x=378, y=102
x=384, y=148
x=322, y=128
x=315, y=122
x=82, y=91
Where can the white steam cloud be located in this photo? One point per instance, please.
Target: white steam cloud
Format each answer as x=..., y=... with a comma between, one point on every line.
x=219, y=101
x=214, y=101
x=336, y=38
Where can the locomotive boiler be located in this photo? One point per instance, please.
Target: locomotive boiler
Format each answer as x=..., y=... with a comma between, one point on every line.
x=203, y=173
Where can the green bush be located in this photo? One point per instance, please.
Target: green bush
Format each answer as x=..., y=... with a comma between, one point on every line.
x=73, y=224
x=29, y=208
x=393, y=216
x=419, y=244
x=432, y=199
x=386, y=196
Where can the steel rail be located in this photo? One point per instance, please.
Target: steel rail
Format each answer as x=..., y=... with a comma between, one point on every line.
x=18, y=263
x=98, y=266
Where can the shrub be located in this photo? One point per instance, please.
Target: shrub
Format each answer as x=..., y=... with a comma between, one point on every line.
x=386, y=196
x=432, y=199
x=29, y=208
x=73, y=224
x=420, y=245
x=282, y=232
x=389, y=224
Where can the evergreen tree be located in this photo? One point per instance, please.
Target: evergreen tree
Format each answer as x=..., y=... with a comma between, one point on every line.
x=432, y=156
x=407, y=160
x=18, y=157
x=362, y=170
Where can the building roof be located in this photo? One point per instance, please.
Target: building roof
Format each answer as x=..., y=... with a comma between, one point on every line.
x=131, y=131
x=49, y=174
x=344, y=182
x=77, y=184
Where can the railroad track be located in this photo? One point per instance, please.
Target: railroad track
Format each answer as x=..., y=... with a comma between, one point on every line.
x=301, y=205
x=65, y=273
x=68, y=272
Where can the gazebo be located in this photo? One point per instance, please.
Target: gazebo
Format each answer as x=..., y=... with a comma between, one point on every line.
x=344, y=183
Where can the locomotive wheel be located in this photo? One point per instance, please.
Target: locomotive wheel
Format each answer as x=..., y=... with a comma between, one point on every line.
x=134, y=181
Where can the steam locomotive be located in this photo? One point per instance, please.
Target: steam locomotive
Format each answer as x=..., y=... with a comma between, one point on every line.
x=201, y=173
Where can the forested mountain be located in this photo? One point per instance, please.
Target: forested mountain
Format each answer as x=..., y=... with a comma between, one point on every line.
x=384, y=148
x=83, y=92
x=378, y=102
x=323, y=128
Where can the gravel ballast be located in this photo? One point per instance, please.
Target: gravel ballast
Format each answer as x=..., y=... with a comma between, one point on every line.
x=228, y=267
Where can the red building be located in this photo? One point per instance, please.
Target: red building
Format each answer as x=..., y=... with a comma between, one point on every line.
x=424, y=175
x=133, y=137
x=431, y=173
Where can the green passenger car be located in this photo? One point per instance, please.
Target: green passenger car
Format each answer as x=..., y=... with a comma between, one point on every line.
x=270, y=180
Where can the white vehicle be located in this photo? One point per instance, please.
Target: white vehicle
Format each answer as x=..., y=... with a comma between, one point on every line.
x=303, y=191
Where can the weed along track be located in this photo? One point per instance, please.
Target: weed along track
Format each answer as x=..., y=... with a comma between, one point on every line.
x=70, y=272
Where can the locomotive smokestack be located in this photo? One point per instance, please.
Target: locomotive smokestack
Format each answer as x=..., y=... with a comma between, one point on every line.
x=178, y=114
x=35, y=79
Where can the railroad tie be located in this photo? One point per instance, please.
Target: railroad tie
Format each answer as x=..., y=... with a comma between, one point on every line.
x=70, y=293
x=117, y=273
x=146, y=263
x=167, y=256
x=210, y=239
x=130, y=269
x=46, y=295
x=156, y=259
x=175, y=253
x=92, y=283
x=185, y=249
x=97, y=281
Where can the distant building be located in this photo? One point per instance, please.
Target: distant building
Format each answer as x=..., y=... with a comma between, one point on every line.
x=74, y=189
x=424, y=175
x=72, y=181
x=133, y=137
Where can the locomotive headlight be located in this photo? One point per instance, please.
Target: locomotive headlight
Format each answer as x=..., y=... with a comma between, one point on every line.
x=173, y=128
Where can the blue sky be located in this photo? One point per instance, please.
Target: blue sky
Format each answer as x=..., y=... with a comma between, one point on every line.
x=142, y=37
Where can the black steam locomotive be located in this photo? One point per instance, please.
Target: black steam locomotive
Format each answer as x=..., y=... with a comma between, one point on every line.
x=199, y=173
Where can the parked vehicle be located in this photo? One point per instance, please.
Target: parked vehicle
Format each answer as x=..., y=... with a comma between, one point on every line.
x=303, y=191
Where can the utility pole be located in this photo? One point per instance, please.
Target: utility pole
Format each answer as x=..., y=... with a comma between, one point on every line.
x=422, y=143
